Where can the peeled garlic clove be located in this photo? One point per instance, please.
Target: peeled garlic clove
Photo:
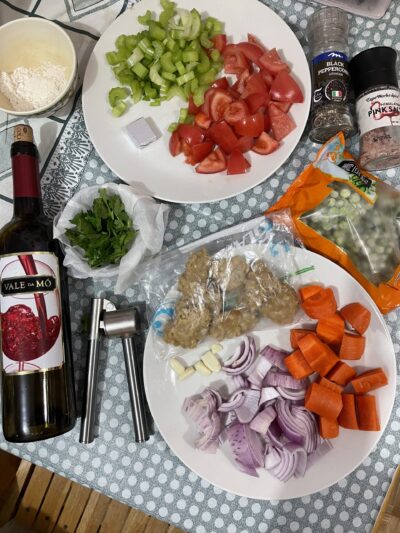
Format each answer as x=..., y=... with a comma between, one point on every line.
x=202, y=369
x=176, y=366
x=189, y=371
x=211, y=361
x=215, y=348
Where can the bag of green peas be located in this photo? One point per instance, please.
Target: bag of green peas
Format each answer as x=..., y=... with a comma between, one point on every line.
x=351, y=217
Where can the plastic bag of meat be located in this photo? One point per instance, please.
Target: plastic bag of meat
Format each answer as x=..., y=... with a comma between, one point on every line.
x=225, y=285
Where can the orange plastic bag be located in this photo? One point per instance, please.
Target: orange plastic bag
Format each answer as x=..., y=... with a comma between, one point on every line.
x=351, y=217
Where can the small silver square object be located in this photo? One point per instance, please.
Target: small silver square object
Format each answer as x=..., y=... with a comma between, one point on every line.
x=141, y=132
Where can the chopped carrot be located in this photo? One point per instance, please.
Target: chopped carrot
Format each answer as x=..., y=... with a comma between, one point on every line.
x=342, y=373
x=331, y=329
x=352, y=346
x=328, y=428
x=322, y=401
x=348, y=416
x=296, y=334
x=320, y=305
x=297, y=365
x=357, y=316
x=370, y=380
x=367, y=414
x=309, y=290
x=317, y=354
x=330, y=385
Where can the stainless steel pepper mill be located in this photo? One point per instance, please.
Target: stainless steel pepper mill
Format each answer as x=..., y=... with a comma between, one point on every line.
x=124, y=323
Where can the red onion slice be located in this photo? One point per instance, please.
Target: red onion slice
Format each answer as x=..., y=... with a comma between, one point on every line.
x=289, y=424
x=259, y=371
x=202, y=410
x=263, y=420
x=242, y=359
x=235, y=400
x=249, y=408
x=275, y=356
x=322, y=449
x=268, y=394
x=245, y=447
x=291, y=394
x=240, y=381
x=301, y=458
x=283, y=379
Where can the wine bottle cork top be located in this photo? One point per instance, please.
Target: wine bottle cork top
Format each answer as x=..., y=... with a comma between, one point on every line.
x=22, y=132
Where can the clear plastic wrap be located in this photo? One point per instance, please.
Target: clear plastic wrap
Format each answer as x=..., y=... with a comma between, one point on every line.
x=227, y=284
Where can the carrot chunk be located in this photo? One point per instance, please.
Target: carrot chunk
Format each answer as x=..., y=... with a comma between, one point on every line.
x=348, y=416
x=352, y=346
x=322, y=401
x=367, y=414
x=328, y=428
x=331, y=329
x=297, y=365
x=309, y=290
x=296, y=334
x=317, y=354
x=370, y=380
x=342, y=373
x=320, y=305
x=357, y=316
x=330, y=385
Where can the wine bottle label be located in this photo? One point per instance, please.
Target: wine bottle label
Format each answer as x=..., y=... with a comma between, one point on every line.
x=31, y=333
x=378, y=108
x=331, y=78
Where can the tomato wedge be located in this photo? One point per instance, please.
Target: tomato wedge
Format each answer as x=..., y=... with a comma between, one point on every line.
x=175, y=146
x=186, y=149
x=192, y=107
x=236, y=111
x=252, y=51
x=285, y=89
x=284, y=106
x=219, y=42
x=257, y=100
x=254, y=84
x=237, y=163
x=267, y=77
x=205, y=108
x=190, y=134
x=265, y=144
x=200, y=151
x=214, y=162
x=251, y=126
x=241, y=82
x=267, y=121
x=222, y=134
x=244, y=144
x=221, y=83
x=281, y=123
x=218, y=103
x=254, y=40
x=234, y=60
x=271, y=61
x=202, y=120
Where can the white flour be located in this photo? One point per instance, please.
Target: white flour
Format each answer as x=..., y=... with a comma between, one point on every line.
x=32, y=88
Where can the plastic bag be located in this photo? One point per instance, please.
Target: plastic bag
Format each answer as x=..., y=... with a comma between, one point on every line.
x=223, y=286
x=148, y=217
x=351, y=217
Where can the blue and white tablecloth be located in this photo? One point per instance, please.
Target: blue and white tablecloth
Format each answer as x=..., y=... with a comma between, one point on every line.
x=149, y=476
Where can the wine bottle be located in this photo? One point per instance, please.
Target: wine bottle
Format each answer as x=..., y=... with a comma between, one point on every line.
x=38, y=397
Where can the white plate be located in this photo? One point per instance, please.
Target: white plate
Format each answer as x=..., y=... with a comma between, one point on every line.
x=152, y=169
x=166, y=397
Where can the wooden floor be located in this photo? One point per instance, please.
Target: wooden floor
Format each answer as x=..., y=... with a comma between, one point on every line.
x=34, y=499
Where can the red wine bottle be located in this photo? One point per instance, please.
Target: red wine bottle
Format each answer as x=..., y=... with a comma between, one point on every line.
x=38, y=397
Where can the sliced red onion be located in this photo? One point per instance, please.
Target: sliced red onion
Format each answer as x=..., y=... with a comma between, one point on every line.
x=291, y=427
x=301, y=458
x=268, y=394
x=274, y=434
x=272, y=458
x=235, y=400
x=245, y=446
x=310, y=427
x=263, y=420
x=286, y=467
x=322, y=449
x=202, y=410
x=283, y=379
x=249, y=408
x=275, y=356
x=240, y=381
x=259, y=371
x=243, y=357
x=291, y=394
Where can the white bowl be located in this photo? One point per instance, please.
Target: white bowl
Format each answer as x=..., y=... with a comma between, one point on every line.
x=29, y=42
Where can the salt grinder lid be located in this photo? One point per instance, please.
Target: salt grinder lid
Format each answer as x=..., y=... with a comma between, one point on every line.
x=373, y=67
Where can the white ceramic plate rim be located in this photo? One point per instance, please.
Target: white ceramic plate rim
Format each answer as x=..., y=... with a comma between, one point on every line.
x=150, y=369
x=149, y=168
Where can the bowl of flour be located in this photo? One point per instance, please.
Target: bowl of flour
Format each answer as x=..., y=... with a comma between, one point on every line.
x=38, y=67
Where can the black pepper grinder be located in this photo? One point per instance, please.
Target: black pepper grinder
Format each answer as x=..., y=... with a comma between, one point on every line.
x=378, y=107
x=330, y=104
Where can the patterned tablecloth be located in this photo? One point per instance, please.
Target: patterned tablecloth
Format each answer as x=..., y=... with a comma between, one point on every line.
x=149, y=476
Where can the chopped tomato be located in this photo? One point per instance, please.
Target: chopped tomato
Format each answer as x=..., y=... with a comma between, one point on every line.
x=281, y=123
x=190, y=134
x=236, y=111
x=214, y=162
x=252, y=51
x=267, y=122
x=200, y=151
x=234, y=60
x=250, y=126
x=187, y=151
x=284, y=106
x=267, y=77
x=285, y=89
x=219, y=42
x=202, y=120
x=253, y=39
x=257, y=100
x=254, y=84
x=218, y=103
x=265, y=144
x=222, y=134
x=272, y=62
x=244, y=144
x=192, y=107
x=237, y=163
x=241, y=82
x=175, y=146
x=221, y=83
x=205, y=108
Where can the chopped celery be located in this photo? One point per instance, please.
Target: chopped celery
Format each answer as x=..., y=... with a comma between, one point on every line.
x=181, y=69
x=208, y=77
x=117, y=94
x=205, y=41
x=119, y=109
x=113, y=58
x=165, y=17
x=195, y=24
x=158, y=50
x=183, y=113
x=156, y=31
x=189, y=56
x=176, y=91
x=150, y=91
x=198, y=95
x=131, y=42
x=146, y=18
x=145, y=45
x=156, y=102
x=167, y=4
x=125, y=77
x=136, y=56
x=140, y=70
x=120, y=41
x=172, y=45
x=204, y=65
x=194, y=85
x=155, y=76
x=191, y=66
x=136, y=91
x=167, y=63
x=215, y=55
x=172, y=127
x=168, y=75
